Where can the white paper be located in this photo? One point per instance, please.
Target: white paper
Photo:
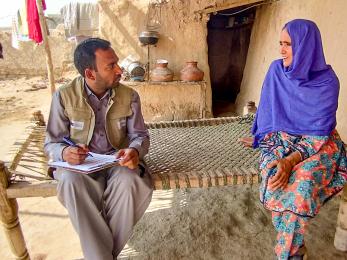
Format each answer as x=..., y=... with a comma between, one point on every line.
x=91, y=164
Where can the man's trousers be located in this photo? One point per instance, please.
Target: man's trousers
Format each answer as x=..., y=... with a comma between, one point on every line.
x=104, y=206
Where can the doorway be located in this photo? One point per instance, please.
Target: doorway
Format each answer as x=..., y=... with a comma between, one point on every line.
x=228, y=39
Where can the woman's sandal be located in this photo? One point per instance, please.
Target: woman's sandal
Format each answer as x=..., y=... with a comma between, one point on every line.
x=300, y=255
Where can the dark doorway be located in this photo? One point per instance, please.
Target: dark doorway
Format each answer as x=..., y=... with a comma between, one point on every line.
x=229, y=33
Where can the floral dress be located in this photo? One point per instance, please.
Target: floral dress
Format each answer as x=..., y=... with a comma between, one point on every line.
x=320, y=175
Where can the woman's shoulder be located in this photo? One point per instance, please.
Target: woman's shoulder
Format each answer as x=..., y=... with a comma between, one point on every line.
x=276, y=64
x=275, y=68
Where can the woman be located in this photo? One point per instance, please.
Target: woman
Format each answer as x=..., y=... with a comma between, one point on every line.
x=303, y=161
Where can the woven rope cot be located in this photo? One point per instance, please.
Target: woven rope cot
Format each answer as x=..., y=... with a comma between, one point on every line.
x=201, y=153
x=183, y=154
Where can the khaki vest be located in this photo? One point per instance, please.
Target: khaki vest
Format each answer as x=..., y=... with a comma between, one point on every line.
x=82, y=117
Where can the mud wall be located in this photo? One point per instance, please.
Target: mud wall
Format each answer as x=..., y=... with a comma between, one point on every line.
x=30, y=59
x=183, y=32
x=330, y=18
x=171, y=101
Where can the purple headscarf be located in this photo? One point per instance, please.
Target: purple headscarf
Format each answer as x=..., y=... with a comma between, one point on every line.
x=302, y=98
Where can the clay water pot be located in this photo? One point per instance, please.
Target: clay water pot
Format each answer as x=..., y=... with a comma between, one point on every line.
x=161, y=72
x=191, y=72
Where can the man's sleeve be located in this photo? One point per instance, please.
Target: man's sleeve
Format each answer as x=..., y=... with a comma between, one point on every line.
x=137, y=131
x=57, y=127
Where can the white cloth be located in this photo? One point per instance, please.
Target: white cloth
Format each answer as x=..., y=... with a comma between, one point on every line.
x=19, y=32
x=14, y=34
x=80, y=19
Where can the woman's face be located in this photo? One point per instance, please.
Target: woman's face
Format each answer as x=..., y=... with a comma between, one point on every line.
x=286, y=48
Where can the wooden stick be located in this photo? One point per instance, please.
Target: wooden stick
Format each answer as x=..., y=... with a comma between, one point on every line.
x=16, y=159
x=44, y=28
x=229, y=5
x=9, y=218
x=27, y=175
x=36, y=189
x=38, y=117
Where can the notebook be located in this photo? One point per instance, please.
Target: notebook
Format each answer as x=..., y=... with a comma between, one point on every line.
x=91, y=164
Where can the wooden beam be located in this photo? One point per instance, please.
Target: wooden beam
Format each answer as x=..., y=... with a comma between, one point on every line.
x=44, y=29
x=231, y=4
x=35, y=189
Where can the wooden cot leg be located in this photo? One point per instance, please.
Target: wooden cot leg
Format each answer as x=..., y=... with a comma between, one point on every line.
x=340, y=241
x=9, y=219
x=38, y=118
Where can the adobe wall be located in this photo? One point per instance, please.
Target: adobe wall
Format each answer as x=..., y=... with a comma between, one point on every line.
x=30, y=59
x=183, y=32
x=171, y=101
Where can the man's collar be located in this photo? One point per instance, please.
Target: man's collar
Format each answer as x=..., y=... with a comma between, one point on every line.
x=90, y=92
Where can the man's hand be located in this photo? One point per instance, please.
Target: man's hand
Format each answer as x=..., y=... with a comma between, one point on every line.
x=129, y=158
x=247, y=141
x=75, y=155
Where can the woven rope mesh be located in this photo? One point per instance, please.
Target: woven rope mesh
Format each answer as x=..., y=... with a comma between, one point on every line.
x=205, y=148
x=29, y=159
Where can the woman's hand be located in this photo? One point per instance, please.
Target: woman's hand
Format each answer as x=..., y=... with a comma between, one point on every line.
x=280, y=179
x=284, y=169
x=247, y=141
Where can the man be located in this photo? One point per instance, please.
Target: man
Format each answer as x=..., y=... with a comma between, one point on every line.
x=104, y=117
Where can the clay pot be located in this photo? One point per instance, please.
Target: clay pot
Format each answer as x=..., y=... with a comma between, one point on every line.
x=161, y=72
x=191, y=72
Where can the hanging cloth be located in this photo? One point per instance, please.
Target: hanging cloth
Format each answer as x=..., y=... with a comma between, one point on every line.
x=34, y=21
x=80, y=19
x=1, y=56
x=23, y=29
x=20, y=27
x=70, y=14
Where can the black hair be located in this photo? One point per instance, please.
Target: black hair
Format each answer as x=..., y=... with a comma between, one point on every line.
x=84, y=55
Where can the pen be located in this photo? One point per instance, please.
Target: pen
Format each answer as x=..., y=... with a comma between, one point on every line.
x=72, y=143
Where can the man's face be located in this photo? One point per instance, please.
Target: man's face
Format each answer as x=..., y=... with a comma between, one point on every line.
x=286, y=48
x=108, y=72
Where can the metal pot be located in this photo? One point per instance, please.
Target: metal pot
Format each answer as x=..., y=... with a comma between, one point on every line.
x=149, y=37
x=136, y=71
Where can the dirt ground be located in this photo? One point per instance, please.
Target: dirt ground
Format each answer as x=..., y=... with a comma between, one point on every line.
x=215, y=223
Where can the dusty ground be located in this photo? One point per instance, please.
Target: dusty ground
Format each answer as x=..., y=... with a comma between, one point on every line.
x=216, y=223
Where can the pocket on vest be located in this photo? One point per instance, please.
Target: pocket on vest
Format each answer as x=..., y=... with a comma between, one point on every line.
x=117, y=132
